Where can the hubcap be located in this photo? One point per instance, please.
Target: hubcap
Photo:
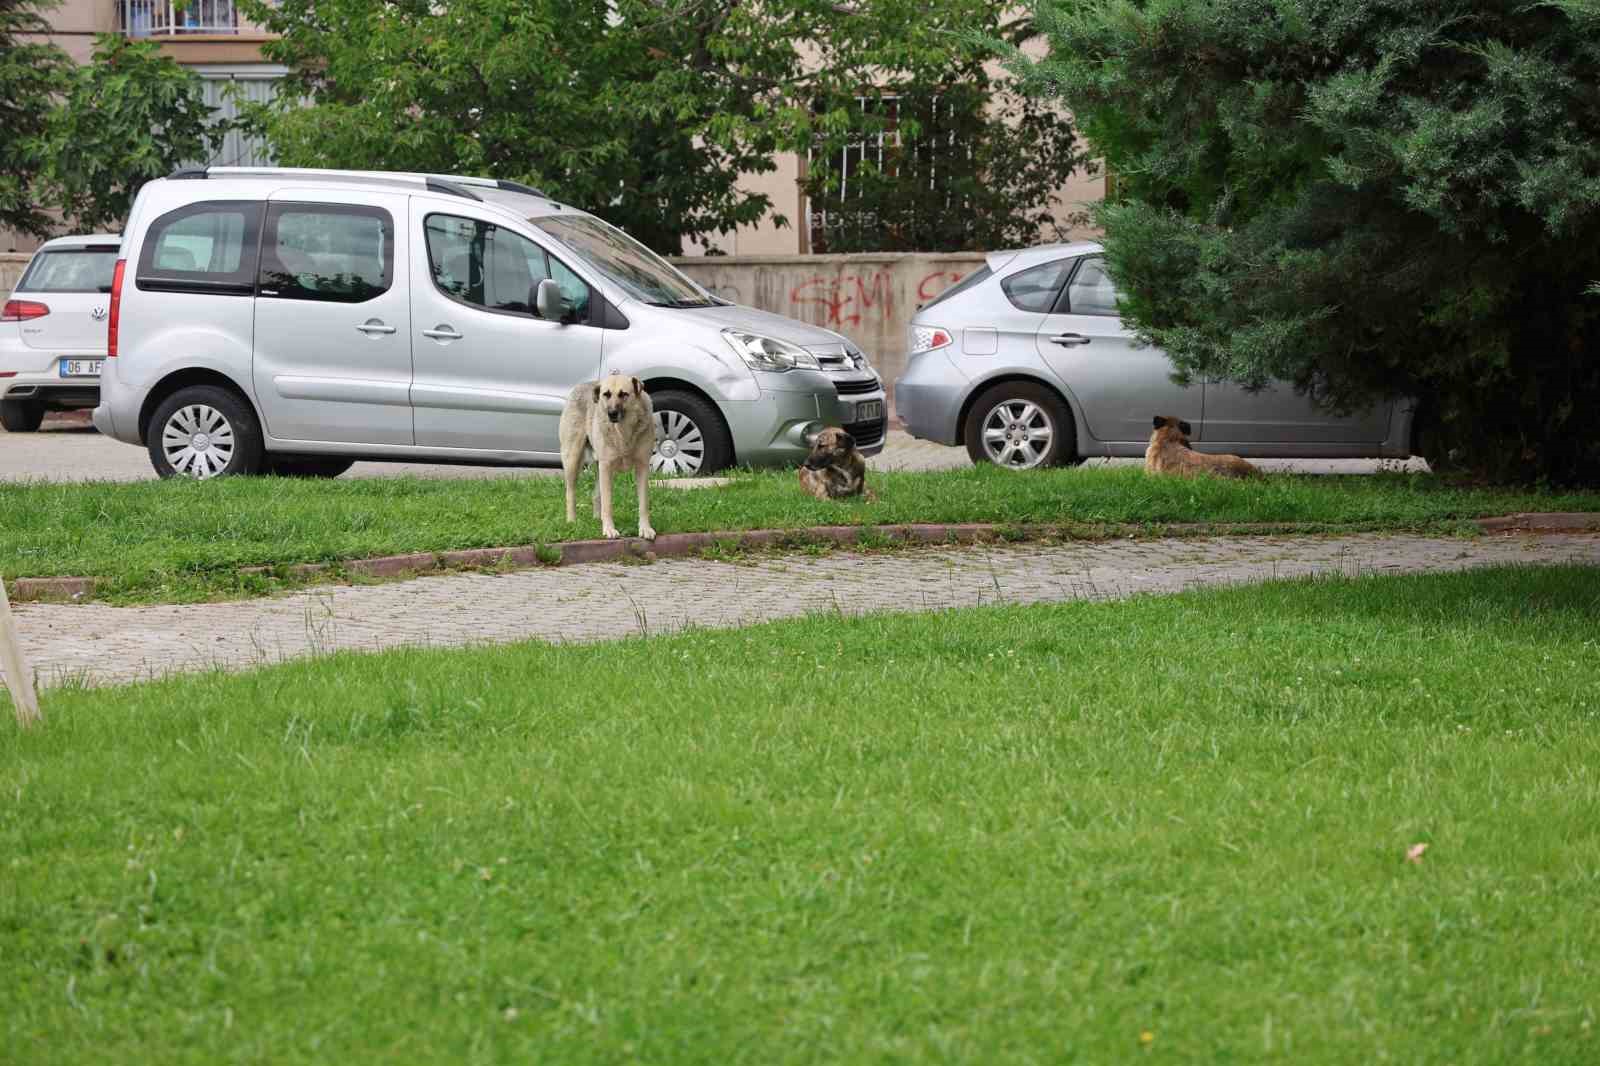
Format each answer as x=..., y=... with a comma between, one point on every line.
x=1017, y=434
x=198, y=441
x=680, y=446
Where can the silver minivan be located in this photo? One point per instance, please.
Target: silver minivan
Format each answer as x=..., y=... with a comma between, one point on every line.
x=295, y=321
x=1027, y=363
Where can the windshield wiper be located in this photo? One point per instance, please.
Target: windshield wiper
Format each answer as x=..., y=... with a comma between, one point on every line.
x=696, y=302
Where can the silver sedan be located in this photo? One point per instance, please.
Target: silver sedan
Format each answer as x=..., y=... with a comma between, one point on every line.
x=1026, y=362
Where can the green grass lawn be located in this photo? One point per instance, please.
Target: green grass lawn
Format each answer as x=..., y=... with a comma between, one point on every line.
x=1169, y=827
x=178, y=540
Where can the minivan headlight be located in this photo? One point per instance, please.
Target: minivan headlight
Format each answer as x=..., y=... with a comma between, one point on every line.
x=768, y=353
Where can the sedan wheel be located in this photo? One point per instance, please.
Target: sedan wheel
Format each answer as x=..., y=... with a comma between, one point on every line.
x=1018, y=434
x=1020, y=425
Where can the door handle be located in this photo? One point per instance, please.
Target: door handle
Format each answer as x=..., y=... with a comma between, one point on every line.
x=442, y=333
x=372, y=326
x=1069, y=340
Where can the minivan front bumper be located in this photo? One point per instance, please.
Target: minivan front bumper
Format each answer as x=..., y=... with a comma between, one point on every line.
x=776, y=429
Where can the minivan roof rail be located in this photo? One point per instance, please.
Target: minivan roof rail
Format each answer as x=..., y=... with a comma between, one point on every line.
x=454, y=184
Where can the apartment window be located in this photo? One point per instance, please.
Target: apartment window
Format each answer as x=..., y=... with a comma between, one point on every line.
x=223, y=89
x=163, y=18
x=883, y=191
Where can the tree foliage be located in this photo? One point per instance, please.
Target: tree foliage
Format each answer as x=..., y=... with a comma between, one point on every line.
x=30, y=72
x=1368, y=199
x=945, y=156
x=129, y=116
x=647, y=111
x=77, y=142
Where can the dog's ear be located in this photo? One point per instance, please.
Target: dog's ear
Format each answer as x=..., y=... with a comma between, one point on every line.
x=597, y=392
x=1160, y=421
x=638, y=388
x=1186, y=429
x=846, y=441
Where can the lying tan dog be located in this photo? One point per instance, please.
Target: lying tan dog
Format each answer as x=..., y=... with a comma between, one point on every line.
x=1169, y=453
x=834, y=469
x=614, y=418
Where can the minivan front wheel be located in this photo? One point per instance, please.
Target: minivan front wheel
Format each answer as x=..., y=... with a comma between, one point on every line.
x=204, y=432
x=690, y=436
x=1021, y=426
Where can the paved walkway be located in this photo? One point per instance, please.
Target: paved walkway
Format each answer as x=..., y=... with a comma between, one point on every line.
x=99, y=644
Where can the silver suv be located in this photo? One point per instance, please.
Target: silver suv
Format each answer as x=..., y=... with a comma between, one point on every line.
x=1027, y=363
x=294, y=321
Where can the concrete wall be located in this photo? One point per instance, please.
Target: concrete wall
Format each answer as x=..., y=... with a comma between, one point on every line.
x=11, y=265
x=870, y=298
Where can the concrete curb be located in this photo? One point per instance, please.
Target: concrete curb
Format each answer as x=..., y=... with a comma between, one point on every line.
x=672, y=545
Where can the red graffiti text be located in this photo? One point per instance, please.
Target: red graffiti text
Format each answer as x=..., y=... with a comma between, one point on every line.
x=845, y=299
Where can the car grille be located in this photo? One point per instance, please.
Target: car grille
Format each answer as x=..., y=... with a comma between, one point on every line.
x=855, y=388
x=866, y=434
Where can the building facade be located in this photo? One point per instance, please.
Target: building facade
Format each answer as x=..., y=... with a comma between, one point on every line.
x=210, y=37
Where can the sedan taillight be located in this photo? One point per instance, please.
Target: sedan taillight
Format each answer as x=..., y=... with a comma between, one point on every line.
x=927, y=338
x=23, y=310
x=115, y=318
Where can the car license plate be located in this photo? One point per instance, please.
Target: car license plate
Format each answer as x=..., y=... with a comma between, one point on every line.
x=81, y=368
x=870, y=411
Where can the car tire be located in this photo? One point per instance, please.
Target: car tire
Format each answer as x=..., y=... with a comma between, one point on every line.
x=1037, y=425
x=691, y=439
x=20, y=416
x=309, y=466
x=204, y=432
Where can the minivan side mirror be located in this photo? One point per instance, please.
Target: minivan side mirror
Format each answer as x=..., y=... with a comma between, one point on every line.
x=547, y=298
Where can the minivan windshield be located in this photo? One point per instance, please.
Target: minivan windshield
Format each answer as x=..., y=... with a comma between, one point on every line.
x=640, y=272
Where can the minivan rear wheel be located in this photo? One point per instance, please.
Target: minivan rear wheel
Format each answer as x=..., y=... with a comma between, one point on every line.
x=1020, y=425
x=690, y=436
x=204, y=432
x=21, y=416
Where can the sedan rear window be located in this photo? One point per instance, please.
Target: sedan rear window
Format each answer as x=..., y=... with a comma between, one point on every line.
x=1035, y=289
x=71, y=270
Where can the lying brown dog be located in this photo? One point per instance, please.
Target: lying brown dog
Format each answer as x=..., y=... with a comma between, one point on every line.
x=1169, y=453
x=834, y=469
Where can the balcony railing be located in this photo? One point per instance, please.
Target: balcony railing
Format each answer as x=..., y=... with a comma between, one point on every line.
x=159, y=18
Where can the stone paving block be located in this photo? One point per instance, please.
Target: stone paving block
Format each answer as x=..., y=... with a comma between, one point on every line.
x=97, y=643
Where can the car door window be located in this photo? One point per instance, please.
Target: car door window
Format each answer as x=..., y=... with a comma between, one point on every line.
x=1091, y=291
x=204, y=247
x=330, y=252
x=1035, y=289
x=493, y=268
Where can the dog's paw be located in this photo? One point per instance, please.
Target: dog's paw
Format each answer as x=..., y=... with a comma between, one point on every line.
x=611, y=533
x=647, y=532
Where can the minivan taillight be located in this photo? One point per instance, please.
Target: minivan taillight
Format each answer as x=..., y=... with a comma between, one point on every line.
x=23, y=310
x=115, y=317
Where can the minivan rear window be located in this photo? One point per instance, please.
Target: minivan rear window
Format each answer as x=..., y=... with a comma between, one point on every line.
x=71, y=270
x=204, y=247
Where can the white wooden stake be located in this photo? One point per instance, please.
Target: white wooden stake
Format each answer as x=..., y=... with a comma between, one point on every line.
x=14, y=668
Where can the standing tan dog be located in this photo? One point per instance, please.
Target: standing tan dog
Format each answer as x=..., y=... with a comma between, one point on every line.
x=614, y=418
x=835, y=469
x=1169, y=453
